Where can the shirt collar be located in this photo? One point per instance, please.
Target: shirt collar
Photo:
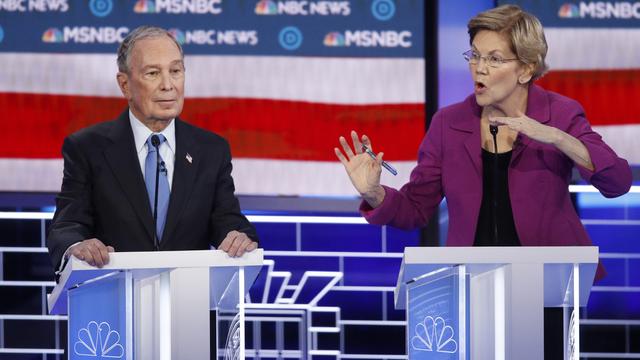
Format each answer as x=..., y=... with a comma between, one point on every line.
x=141, y=133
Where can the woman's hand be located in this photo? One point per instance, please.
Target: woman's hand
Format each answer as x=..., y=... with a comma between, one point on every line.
x=529, y=127
x=364, y=171
x=565, y=142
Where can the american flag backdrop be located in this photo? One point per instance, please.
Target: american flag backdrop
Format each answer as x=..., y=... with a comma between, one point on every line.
x=281, y=80
x=594, y=57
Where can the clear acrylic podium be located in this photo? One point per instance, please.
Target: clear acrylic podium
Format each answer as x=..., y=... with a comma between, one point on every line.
x=156, y=305
x=488, y=302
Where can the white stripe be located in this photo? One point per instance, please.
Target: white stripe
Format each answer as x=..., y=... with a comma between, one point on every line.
x=251, y=176
x=623, y=140
x=589, y=48
x=274, y=177
x=323, y=80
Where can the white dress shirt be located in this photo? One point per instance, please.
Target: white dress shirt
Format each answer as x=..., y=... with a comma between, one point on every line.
x=167, y=149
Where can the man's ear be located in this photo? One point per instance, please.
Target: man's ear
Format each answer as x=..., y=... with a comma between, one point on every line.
x=123, y=83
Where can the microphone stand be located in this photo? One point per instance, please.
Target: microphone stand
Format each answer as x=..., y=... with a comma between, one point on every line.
x=493, y=129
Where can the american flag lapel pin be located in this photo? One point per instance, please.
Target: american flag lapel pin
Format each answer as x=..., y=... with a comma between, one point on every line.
x=189, y=158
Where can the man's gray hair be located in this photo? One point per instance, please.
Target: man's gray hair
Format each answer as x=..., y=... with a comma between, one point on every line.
x=139, y=33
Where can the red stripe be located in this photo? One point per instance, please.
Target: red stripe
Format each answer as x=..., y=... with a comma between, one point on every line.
x=35, y=125
x=609, y=97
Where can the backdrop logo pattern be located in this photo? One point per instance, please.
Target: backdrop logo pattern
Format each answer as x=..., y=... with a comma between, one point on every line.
x=98, y=341
x=23, y=6
x=434, y=335
x=303, y=8
x=290, y=38
x=200, y=7
x=52, y=35
x=383, y=10
x=1, y=34
x=334, y=38
x=101, y=8
x=144, y=7
x=568, y=11
x=178, y=35
x=266, y=7
x=369, y=39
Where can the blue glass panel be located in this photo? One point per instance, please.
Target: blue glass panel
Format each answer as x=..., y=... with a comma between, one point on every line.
x=298, y=265
x=98, y=322
x=355, y=305
x=274, y=236
x=371, y=271
x=614, y=305
x=392, y=313
x=341, y=237
x=615, y=272
x=618, y=238
x=634, y=272
x=433, y=325
x=596, y=206
x=398, y=239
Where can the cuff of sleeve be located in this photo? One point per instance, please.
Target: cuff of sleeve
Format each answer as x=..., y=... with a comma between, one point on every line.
x=384, y=213
x=601, y=159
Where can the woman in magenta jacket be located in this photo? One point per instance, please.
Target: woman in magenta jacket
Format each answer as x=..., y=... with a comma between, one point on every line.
x=511, y=190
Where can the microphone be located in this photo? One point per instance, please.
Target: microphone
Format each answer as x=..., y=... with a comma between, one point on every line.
x=155, y=141
x=493, y=129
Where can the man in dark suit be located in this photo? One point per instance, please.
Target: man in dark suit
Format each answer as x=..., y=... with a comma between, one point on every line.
x=113, y=170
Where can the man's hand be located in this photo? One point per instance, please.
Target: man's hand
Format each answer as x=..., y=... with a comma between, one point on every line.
x=92, y=251
x=235, y=244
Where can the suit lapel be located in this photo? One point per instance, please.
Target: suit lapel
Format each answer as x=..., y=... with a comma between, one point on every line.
x=471, y=126
x=184, y=174
x=123, y=160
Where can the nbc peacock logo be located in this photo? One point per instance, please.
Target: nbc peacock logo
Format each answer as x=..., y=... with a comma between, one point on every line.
x=334, y=38
x=434, y=335
x=98, y=340
x=144, y=7
x=178, y=35
x=266, y=7
x=569, y=11
x=52, y=35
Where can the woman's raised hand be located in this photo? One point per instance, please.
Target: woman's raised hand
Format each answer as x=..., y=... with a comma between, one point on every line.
x=363, y=170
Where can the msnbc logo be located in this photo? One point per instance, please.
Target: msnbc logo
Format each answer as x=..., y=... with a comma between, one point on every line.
x=144, y=7
x=334, y=39
x=178, y=7
x=52, y=35
x=178, y=35
x=568, y=11
x=266, y=7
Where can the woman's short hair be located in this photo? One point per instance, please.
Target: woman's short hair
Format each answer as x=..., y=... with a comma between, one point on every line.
x=523, y=30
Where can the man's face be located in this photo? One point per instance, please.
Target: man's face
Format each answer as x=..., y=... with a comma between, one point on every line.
x=154, y=85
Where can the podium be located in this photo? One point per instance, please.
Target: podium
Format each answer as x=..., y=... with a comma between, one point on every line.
x=156, y=305
x=488, y=302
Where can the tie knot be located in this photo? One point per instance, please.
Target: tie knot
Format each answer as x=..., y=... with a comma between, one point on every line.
x=155, y=140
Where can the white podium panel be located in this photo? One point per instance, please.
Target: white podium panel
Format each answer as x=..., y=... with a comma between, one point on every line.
x=488, y=302
x=153, y=305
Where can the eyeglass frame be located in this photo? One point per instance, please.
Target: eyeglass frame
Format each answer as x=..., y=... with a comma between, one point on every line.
x=500, y=61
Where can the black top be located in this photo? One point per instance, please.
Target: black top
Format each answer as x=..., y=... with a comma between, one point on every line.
x=495, y=222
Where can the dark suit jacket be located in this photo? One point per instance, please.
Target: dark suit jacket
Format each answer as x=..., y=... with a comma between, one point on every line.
x=104, y=195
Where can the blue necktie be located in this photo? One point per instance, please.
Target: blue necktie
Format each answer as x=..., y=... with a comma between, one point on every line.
x=163, y=183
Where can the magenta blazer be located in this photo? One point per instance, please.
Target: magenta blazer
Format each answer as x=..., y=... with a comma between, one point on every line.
x=450, y=165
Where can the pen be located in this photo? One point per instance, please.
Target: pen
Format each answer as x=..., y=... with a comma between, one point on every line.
x=384, y=163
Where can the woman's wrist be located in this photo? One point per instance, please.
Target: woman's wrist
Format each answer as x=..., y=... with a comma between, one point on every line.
x=375, y=197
